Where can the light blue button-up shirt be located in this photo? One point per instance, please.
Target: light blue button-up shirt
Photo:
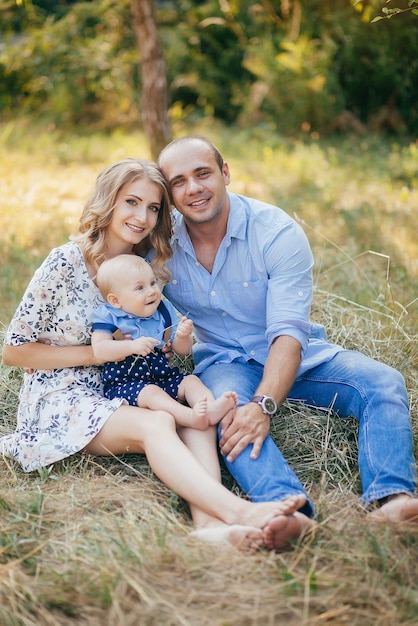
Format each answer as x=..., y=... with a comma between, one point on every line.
x=260, y=287
x=108, y=318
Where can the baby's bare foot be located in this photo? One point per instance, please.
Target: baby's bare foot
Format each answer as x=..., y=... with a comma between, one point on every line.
x=199, y=414
x=220, y=407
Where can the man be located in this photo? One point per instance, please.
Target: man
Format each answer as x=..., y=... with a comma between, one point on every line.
x=242, y=270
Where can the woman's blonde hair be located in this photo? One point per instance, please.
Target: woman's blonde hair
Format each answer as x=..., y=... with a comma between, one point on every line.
x=98, y=212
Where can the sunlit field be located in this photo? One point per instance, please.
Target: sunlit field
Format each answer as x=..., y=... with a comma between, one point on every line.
x=357, y=199
x=100, y=541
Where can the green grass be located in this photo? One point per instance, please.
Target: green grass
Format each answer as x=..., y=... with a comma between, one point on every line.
x=102, y=541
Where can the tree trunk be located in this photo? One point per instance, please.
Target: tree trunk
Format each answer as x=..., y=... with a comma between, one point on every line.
x=154, y=89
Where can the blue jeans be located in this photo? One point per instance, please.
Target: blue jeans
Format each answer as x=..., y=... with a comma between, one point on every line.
x=354, y=385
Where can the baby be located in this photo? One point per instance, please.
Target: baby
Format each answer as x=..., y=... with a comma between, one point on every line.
x=136, y=369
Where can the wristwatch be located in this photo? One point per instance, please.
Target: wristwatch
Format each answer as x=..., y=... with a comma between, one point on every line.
x=268, y=404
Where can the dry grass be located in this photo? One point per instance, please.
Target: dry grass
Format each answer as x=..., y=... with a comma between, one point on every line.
x=100, y=541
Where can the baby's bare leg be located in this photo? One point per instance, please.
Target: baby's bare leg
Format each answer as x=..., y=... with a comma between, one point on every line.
x=155, y=398
x=193, y=391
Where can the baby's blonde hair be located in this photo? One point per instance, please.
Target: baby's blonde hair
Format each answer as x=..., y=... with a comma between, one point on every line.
x=115, y=271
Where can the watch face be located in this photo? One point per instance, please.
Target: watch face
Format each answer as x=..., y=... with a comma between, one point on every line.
x=270, y=405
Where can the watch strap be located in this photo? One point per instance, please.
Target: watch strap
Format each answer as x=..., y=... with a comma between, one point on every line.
x=261, y=400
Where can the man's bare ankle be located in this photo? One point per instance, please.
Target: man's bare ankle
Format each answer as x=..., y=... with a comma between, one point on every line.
x=393, y=497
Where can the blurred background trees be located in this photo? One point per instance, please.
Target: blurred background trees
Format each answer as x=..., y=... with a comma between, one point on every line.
x=310, y=66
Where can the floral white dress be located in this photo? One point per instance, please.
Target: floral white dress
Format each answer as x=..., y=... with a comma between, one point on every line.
x=60, y=410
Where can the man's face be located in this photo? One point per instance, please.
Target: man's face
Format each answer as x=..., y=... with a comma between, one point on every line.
x=198, y=186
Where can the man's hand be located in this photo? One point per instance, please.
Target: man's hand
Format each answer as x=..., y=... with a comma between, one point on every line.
x=241, y=427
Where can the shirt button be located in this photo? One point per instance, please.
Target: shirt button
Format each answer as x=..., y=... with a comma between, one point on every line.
x=213, y=293
x=224, y=313
x=252, y=352
x=245, y=284
x=300, y=293
x=174, y=282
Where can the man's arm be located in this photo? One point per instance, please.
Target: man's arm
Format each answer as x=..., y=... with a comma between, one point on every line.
x=288, y=261
x=248, y=424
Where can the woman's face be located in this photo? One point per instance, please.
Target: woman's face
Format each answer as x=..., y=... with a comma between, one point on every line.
x=134, y=216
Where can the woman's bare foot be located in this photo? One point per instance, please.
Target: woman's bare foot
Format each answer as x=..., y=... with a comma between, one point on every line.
x=245, y=538
x=273, y=525
x=283, y=530
x=399, y=508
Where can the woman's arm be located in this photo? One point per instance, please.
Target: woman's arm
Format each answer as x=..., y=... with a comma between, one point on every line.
x=37, y=355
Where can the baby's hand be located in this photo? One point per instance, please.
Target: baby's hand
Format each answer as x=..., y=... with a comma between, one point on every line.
x=185, y=327
x=144, y=345
x=167, y=350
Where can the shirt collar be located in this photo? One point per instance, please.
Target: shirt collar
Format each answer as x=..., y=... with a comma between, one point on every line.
x=237, y=220
x=119, y=313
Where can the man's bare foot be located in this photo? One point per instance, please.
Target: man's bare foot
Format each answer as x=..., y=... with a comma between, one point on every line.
x=399, y=508
x=259, y=514
x=220, y=407
x=245, y=538
x=283, y=530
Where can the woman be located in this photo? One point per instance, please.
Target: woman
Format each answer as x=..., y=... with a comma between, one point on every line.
x=62, y=410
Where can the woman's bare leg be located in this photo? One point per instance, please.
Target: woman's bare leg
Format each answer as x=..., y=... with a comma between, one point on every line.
x=209, y=528
x=130, y=429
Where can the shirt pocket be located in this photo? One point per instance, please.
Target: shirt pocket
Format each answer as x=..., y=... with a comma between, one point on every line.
x=182, y=294
x=248, y=299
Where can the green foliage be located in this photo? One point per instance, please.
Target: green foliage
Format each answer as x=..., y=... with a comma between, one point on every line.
x=206, y=48
x=382, y=90
x=252, y=63
x=73, y=69
x=294, y=85
x=389, y=12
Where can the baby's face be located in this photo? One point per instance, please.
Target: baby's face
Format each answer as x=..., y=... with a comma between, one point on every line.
x=138, y=292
